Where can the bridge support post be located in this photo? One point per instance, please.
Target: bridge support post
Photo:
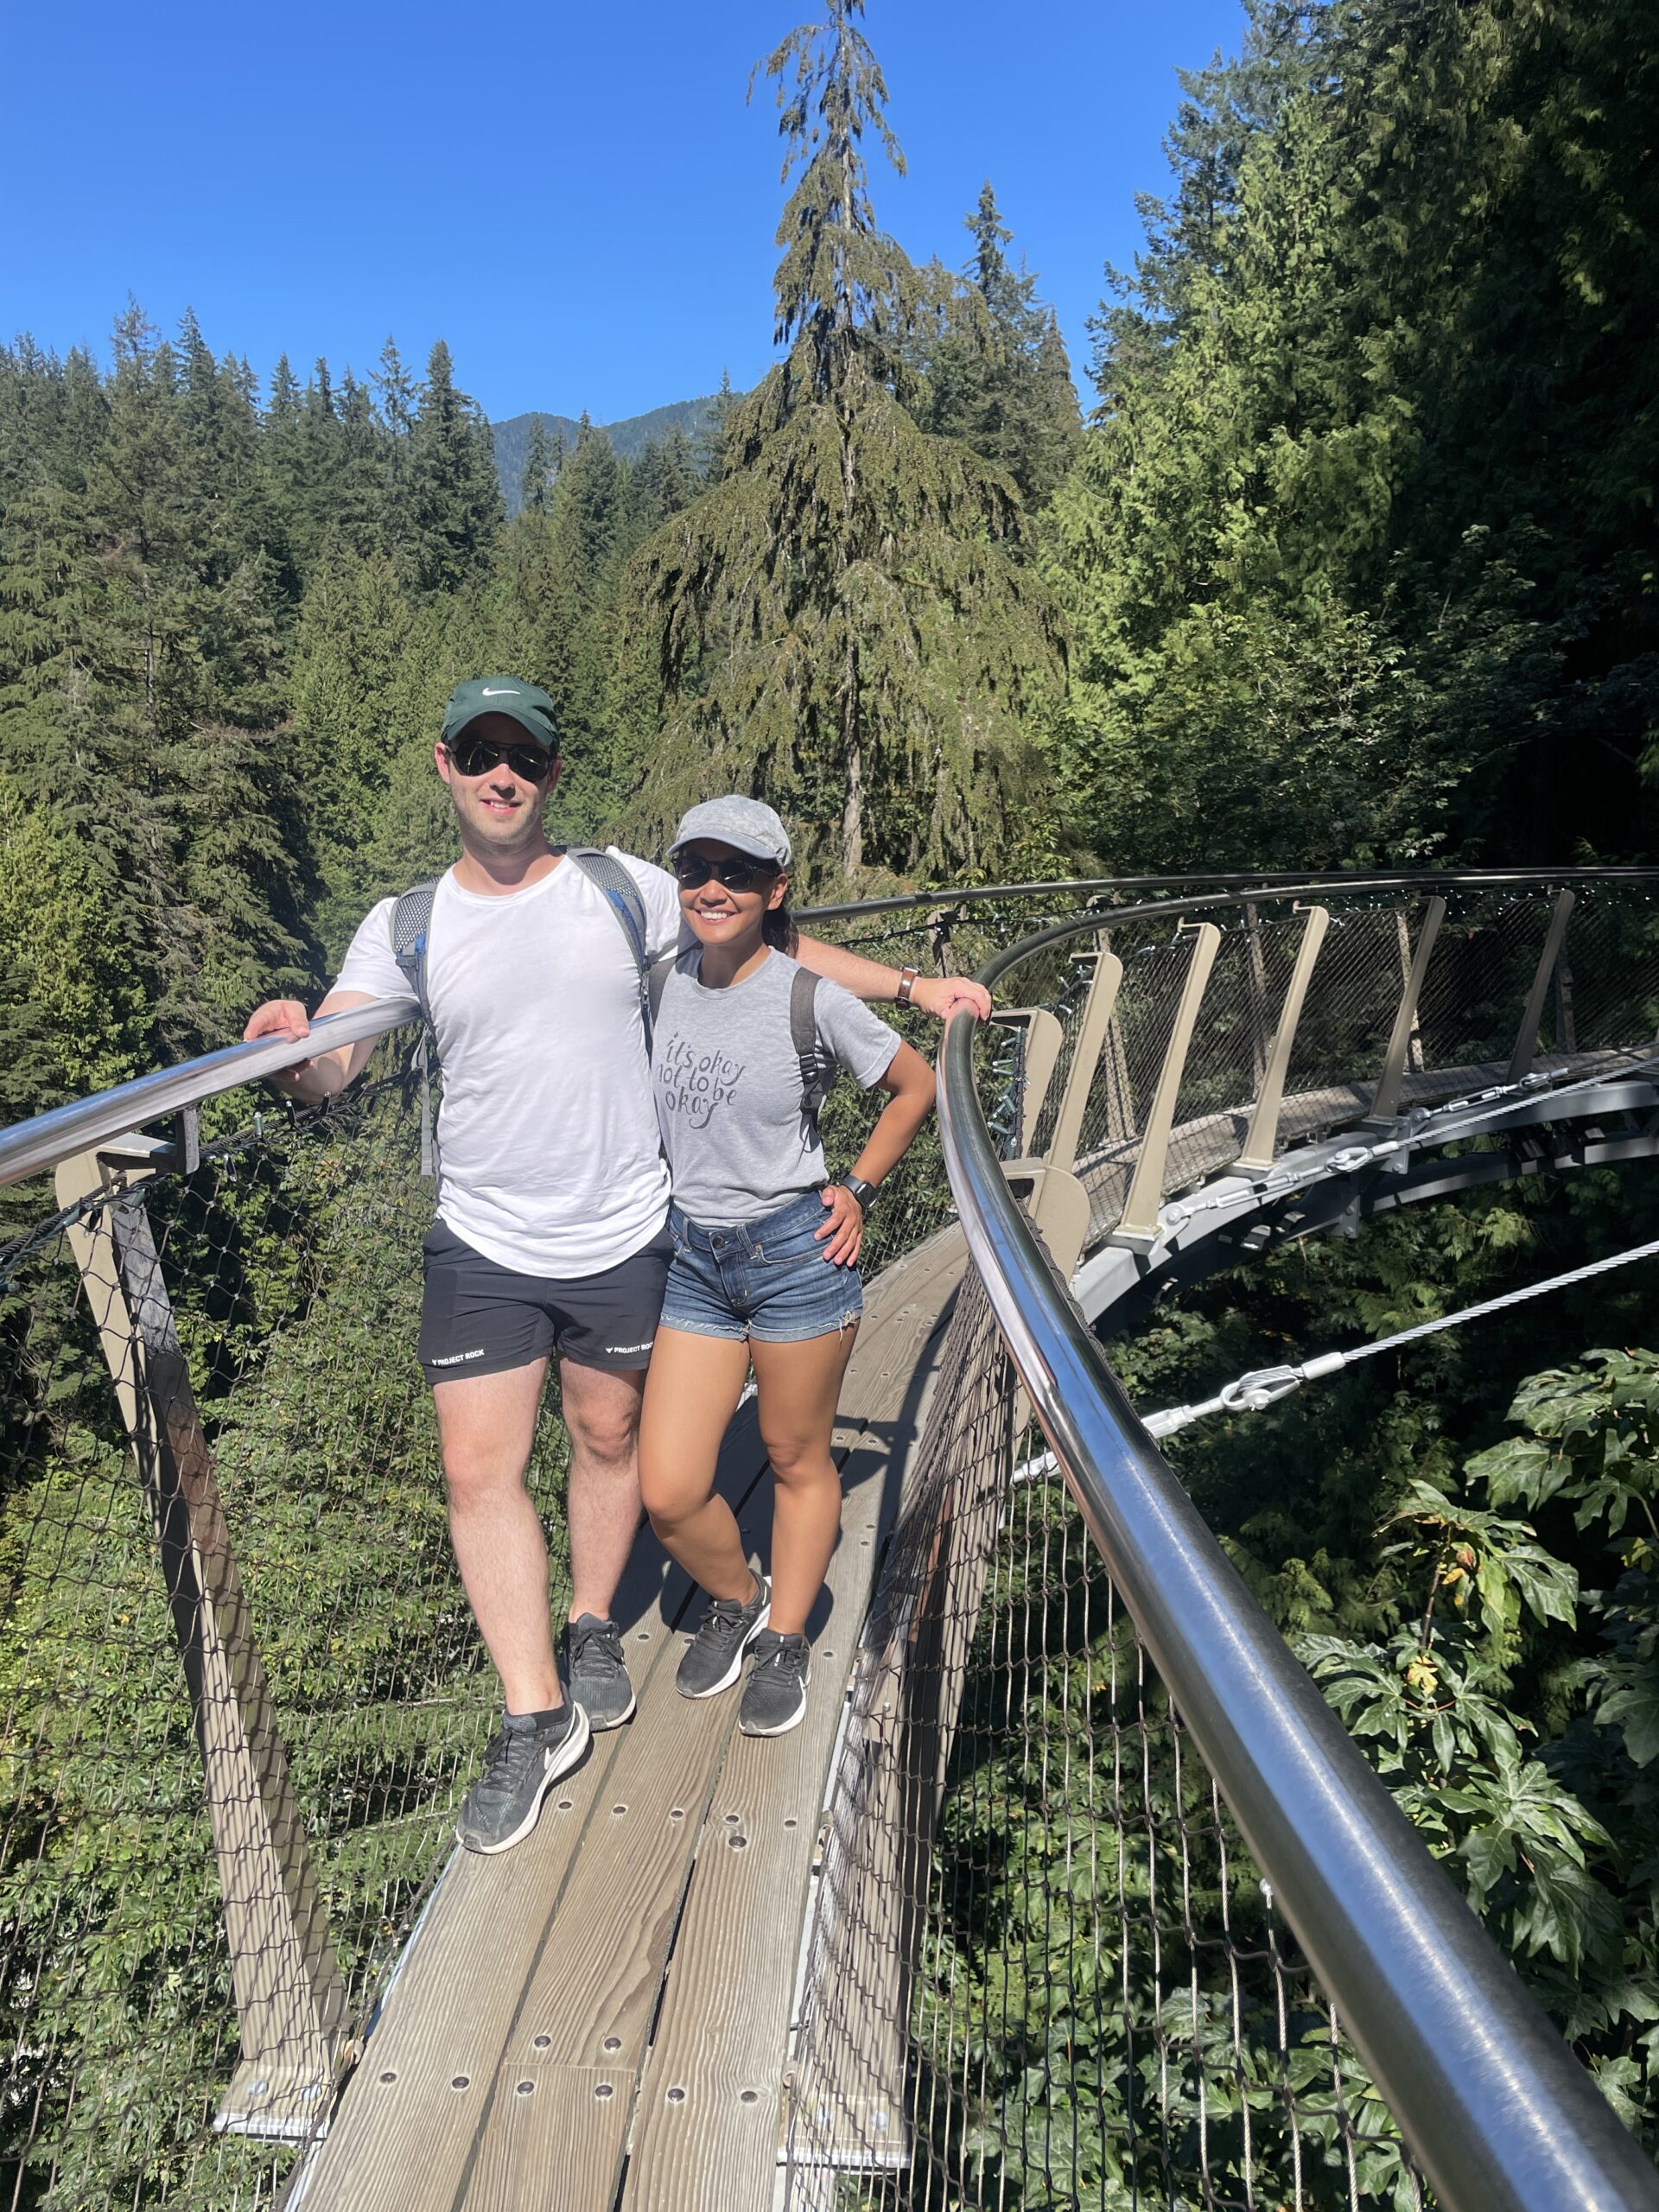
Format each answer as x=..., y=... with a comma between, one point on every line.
x=1039, y=1040
x=1098, y=1010
x=290, y=1999
x=1138, y=1229
x=1263, y=1133
x=1525, y=1042
x=1385, y=1102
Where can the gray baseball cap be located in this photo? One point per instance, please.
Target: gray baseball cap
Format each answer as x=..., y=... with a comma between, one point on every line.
x=747, y=824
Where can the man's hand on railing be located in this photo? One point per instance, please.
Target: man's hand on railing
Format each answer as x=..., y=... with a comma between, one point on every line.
x=942, y=995
x=330, y=1072
x=282, y=1018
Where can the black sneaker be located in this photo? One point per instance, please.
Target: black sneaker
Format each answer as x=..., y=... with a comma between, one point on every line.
x=527, y=1757
x=774, y=1698
x=595, y=1672
x=713, y=1658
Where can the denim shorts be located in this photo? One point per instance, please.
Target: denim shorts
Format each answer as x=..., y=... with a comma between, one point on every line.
x=768, y=1279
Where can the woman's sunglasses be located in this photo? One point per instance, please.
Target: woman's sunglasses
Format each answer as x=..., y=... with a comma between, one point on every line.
x=476, y=756
x=736, y=875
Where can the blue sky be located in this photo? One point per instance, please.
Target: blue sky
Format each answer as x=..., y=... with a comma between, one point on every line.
x=577, y=199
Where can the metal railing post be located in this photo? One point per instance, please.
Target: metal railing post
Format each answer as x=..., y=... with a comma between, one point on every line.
x=1526, y=1041
x=1385, y=1102
x=1097, y=1010
x=1039, y=1050
x=1138, y=1225
x=292, y=2001
x=1263, y=1133
x=1255, y=983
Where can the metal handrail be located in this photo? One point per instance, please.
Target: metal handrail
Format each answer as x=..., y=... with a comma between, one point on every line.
x=1497, y=2111
x=32, y=1147
x=1280, y=878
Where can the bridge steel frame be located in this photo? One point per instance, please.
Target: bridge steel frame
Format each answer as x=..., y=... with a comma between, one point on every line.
x=1495, y=2106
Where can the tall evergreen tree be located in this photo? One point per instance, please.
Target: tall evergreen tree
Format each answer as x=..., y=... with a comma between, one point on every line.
x=455, y=495
x=839, y=623
x=535, y=487
x=994, y=365
x=666, y=478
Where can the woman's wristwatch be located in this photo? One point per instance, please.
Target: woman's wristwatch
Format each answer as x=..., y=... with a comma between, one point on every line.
x=862, y=1191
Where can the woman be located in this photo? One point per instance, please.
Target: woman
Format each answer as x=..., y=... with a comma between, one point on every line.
x=765, y=1248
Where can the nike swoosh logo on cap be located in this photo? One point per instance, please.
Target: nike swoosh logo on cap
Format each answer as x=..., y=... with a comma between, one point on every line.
x=501, y=691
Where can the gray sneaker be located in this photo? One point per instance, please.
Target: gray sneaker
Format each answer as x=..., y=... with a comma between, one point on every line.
x=713, y=1658
x=595, y=1671
x=526, y=1758
x=774, y=1698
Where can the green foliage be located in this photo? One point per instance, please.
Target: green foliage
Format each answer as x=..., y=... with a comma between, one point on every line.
x=841, y=623
x=995, y=366
x=1480, y=1606
x=1357, y=554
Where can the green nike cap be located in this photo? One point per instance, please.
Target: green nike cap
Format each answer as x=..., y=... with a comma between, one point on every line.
x=528, y=705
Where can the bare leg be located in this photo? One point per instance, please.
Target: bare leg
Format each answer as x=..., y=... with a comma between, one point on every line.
x=486, y=1424
x=798, y=1386
x=691, y=1393
x=602, y=1412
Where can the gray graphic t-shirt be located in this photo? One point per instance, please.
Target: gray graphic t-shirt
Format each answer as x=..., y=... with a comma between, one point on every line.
x=728, y=1084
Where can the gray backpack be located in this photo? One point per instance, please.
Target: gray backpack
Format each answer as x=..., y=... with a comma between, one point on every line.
x=411, y=922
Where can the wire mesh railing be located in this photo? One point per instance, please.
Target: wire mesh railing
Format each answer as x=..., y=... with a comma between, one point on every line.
x=1045, y=1970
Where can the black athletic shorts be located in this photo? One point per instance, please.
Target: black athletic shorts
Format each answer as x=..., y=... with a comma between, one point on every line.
x=478, y=1318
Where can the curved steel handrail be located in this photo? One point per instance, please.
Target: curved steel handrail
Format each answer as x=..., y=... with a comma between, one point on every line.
x=1499, y=2113
x=1271, y=880
x=32, y=1147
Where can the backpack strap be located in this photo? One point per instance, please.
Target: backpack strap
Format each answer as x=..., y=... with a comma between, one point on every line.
x=411, y=922
x=657, y=982
x=804, y=1036
x=622, y=894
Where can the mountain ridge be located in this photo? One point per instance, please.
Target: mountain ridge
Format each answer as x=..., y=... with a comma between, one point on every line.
x=628, y=437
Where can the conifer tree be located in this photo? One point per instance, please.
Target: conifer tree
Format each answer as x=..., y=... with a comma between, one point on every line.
x=535, y=487
x=396, y=394
x=711, y=440
x=71, y=1012
x=664, y=479
x=455, y=495
x=994, y=365
x=358, y=508
x=839, y=623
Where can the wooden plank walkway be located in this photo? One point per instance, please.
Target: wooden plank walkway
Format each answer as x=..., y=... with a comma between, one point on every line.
x=607, y=2006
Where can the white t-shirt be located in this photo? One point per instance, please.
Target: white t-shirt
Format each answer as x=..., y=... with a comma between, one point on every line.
x=548, y=1161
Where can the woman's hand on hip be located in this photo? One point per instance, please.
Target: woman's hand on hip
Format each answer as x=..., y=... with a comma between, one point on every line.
x=845, y=1227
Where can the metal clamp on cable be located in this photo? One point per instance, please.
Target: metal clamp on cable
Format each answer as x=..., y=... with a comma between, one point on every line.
x=1263, y=1386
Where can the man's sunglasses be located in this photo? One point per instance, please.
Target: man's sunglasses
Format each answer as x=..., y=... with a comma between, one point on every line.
x=737, y=875
x=476, y=756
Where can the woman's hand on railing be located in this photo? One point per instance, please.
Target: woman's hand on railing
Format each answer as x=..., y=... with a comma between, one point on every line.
x=942, y=995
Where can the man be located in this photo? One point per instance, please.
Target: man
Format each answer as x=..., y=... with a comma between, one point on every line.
x=552, y=1199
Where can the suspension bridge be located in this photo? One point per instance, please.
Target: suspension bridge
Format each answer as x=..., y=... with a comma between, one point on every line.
x=1071, y=1892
